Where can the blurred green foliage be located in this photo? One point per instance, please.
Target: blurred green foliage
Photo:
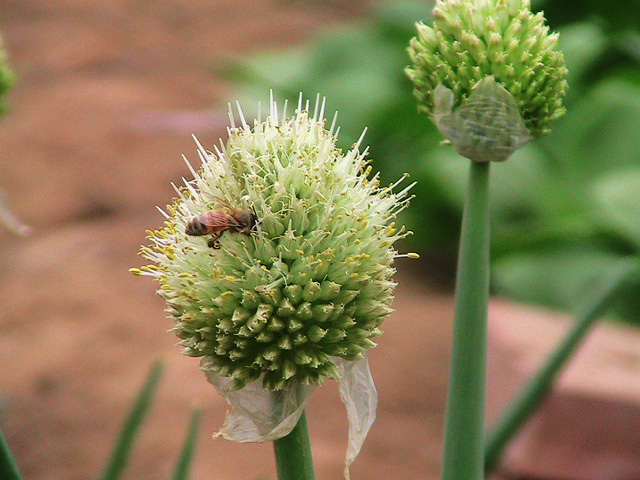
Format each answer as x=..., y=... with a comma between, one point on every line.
x=564, y=207
x=127, y=440
x=6, y=76
x=123, y=446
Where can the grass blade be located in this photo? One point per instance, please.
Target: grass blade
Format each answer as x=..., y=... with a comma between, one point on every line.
x=186, y=455
x=8, y=467
x=124, y=444
x=516, y=416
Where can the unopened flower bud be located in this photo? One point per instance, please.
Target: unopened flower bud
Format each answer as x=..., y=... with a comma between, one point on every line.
x=472, y=40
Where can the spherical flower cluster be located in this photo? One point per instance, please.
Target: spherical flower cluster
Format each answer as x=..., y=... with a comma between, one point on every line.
x=474, y=39
x=310, y=281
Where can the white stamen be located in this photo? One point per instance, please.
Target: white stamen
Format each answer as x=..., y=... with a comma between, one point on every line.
x=245, y=125
x=218, y=152
x=333, y=124
x=190, y=187
x=324, y=102
x=201, y=149
x=273, y=108
x=193, y=172
x=398, y=182
x=402, y=193
x=164, y=214
x=231, y=119
x=407, y=255
x=315, y=108
x=180, y=194
x=357, y=144
x=300, y=102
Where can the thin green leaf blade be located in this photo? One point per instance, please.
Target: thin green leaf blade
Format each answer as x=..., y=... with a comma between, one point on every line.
x=184, y=463
x=8, y=467
x=124, y=444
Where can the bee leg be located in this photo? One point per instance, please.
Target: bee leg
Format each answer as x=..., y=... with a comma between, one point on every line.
x=213, y=242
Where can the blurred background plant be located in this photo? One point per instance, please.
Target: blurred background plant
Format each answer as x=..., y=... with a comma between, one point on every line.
x=123, y=446
x=6, y=76
x=564, y=208
x=7, y=218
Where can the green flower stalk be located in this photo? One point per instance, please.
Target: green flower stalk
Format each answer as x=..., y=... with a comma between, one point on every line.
x=293, y=291
x=490, y=76
x=473, y=41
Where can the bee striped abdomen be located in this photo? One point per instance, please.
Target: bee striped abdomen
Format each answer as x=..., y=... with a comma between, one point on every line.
x=209, y=223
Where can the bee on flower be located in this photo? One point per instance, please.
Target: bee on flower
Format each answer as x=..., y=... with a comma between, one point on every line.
x=300, y=278
x=216, y=222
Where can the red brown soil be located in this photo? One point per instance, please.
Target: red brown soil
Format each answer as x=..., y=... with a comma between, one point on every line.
x=99, y=119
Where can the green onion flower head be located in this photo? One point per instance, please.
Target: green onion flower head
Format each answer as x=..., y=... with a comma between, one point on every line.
x=471, y=40
x=6, y=76
x=301, y=274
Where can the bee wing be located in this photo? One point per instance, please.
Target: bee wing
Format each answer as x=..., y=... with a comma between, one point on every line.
x=222, y=202
x=218, y=219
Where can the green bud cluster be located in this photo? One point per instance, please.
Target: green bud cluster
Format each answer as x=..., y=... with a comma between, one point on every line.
x=311, y=282
x=474, y=39
x=6, y=76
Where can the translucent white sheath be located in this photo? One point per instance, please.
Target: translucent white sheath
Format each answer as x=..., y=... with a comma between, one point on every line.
x=487, y=127
x=260, y=415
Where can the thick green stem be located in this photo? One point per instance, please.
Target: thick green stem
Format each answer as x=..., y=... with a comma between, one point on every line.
x=8, y=467
x=294, y=460
x=464, y=430
x=533, y=394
